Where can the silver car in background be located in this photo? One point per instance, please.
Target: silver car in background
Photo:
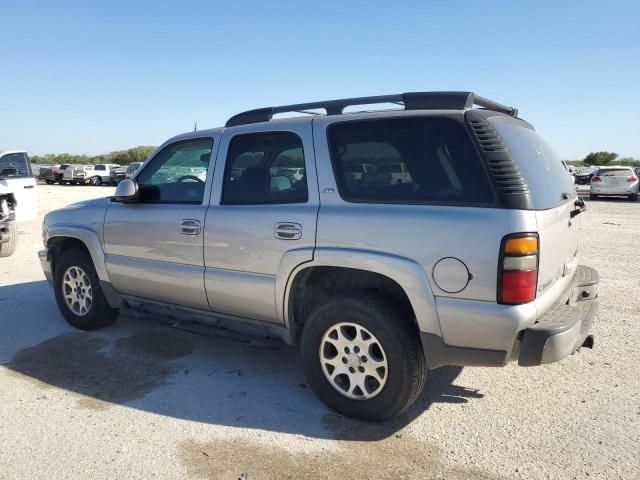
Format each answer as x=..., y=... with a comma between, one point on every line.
x=614, y=181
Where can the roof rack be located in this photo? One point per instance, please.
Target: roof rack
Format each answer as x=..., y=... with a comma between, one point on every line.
x=410, y=101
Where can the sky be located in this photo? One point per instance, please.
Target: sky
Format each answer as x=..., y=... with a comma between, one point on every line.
x=83, y=77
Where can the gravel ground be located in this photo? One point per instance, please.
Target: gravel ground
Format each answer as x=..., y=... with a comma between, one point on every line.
x=141, y=401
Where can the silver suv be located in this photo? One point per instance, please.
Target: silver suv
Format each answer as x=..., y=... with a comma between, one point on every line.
x=471, y=259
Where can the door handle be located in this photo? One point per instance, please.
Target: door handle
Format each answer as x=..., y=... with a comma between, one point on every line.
x=190, y=226
x=288, y=231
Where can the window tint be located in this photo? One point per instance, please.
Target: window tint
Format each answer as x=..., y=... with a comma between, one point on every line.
x=99, y=167
x=418, y=160
x=265, y=168
x=614, y=171
x=14, y=165
x=177, y=174
x=548, y=181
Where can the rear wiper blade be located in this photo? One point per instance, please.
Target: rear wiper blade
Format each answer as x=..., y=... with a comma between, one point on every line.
x=581, y=207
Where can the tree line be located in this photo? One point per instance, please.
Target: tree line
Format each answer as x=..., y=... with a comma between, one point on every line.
x=121, y=157
x=605, y=158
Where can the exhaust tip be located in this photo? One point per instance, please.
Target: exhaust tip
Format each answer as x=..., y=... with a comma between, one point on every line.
x=588, y=341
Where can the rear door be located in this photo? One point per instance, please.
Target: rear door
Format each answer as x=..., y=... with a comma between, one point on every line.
x=260, y=217
x=15, y=171
x=553, y=195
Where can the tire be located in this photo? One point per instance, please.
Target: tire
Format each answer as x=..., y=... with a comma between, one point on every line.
x=592, y=196
x=633, y=197
x=7, y=248
x=98, y=312
x=406, y=370
x=49, y=182
x=97, y=181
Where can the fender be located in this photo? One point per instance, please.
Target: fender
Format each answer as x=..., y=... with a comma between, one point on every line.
x=87, y=236
x=407, y=273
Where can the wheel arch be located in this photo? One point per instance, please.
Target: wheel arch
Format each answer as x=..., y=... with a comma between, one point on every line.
x=63, y=237
x=402, y=279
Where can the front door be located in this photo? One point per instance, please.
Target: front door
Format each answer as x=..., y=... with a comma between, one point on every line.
x=262, y=216
x=154, y=246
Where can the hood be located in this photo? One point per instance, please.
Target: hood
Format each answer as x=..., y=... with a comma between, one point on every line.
x=92, y=202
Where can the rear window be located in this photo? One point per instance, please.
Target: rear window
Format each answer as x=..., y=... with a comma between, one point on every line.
x=14, y=165
x=614, y=172
x=549, y=182
x=417, y=160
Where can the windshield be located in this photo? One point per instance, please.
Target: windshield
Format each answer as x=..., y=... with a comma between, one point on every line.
x=15, y=165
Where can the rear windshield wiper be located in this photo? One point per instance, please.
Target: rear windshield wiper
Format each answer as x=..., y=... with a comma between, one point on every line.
x=580, y=207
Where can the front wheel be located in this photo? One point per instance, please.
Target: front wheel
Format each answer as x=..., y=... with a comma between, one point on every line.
x=7, y=248
x=97, y=181
x=363, y=357
x=49, y=182
x=78, y=292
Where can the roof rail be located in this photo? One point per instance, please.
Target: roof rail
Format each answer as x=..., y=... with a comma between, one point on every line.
x=410, y=101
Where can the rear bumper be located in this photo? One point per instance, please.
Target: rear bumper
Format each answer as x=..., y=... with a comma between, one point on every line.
x=614, y=190
x=565, y=327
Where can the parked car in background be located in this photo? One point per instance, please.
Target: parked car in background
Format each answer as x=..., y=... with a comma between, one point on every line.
x=584, y=174
x=100, y=173
x=18, y=200
x=376, y=282
x=132, y=169
x=117, y=174
x=53, y=173
x=614, y=181
x=76, y=174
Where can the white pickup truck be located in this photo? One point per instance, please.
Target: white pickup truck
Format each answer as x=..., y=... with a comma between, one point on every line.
x=93, y=174
x=18, y=201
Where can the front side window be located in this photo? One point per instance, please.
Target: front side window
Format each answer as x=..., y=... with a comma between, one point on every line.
x=14, y=165
x=265, y=168
x=177, y=174
x=417, y=160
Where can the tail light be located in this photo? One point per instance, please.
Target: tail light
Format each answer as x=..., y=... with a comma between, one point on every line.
x=518, y=269
x=631, y=179
x=596, y=179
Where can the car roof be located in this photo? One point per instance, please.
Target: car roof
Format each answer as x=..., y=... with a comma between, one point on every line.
x=4, y=152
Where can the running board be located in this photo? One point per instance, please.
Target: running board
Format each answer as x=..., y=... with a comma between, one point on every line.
x=216, y=331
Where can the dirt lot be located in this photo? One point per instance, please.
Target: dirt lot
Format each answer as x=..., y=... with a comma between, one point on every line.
x=141, y=401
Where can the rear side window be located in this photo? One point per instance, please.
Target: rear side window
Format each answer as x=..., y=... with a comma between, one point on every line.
x=265, y=168
x=549, y=183
x=14, y=165
x=417, y=160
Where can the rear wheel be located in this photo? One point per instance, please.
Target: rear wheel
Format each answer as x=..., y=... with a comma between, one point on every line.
x=97, y=181
x=363, y=357
x=78, y=292
x=7, y=248
x=49, y=182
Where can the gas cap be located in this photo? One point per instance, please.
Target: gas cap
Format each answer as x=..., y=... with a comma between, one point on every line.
x=451, y=275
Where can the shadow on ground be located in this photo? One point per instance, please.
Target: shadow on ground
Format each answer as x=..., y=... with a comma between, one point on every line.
x=182, y=375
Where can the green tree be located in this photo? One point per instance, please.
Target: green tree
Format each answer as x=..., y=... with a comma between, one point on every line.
x=600, y=158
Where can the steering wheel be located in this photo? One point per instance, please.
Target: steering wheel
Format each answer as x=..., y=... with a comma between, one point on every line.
x=189, y=177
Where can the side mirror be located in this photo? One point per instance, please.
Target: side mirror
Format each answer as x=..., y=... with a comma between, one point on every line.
x=126, y=191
